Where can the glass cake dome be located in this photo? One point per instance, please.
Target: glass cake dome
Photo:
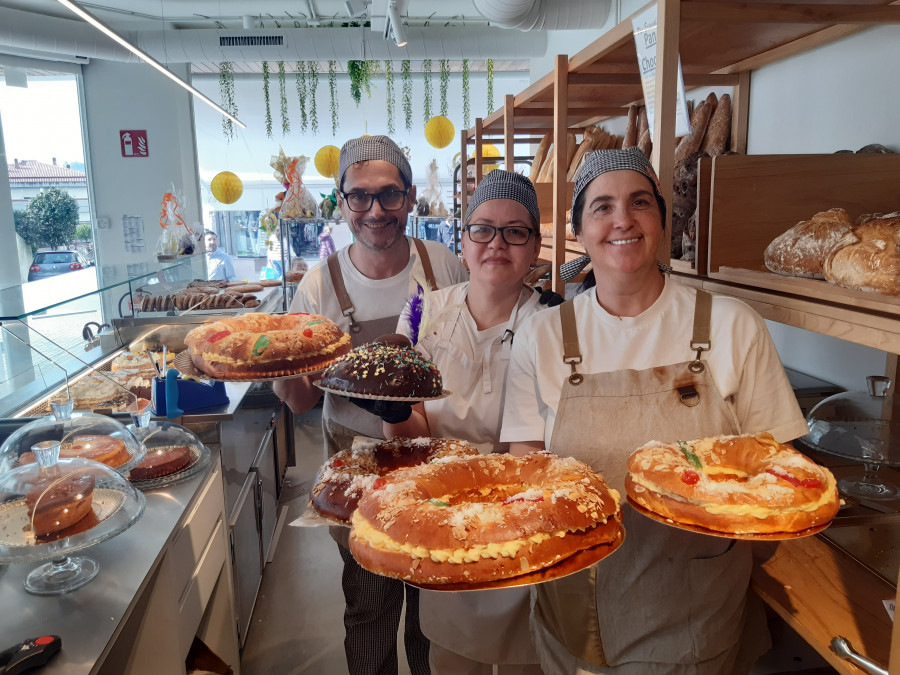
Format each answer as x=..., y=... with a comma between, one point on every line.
x=82, y=435
x=52, y=507
x=864, y=426
x=173, y=454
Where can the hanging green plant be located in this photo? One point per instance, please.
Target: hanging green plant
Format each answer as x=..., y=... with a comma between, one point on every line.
x=282, y=93
x=360, y=73
x=265, y=68
x=406, y=74
x=389, y=94
x=465, y=92
x=445, y=82
x=312, y=72
x=426, y=102
x=332, y=85
x=226, y=95
x=490, y=86
x=300, y=81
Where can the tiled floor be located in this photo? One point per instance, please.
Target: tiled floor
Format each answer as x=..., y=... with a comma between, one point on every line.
x=297, y=624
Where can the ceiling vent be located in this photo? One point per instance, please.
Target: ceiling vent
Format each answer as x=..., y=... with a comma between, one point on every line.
x=252, y=41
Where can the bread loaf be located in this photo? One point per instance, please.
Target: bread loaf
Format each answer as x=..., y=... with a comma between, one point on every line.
x=719, y=128
x=803, y=249
x=699, y=121
x=631, y=130
x=867, y=258
x=540, y=156
x=546, y=173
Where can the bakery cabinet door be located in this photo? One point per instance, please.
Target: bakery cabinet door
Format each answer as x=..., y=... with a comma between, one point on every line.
x=266, y=500
x=246, y=553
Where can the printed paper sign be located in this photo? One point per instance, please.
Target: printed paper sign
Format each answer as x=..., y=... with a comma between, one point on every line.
x=134, y=143
x=644, y=26
x=889, y=605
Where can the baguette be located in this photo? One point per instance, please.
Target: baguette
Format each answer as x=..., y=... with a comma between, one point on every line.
x=571, y=147
x=645, y=144
x=540, y=155
x=546, y=173
x=583, y=149
x=699, y=121
x=719, y=129
x=643, y=124
x=631, y=130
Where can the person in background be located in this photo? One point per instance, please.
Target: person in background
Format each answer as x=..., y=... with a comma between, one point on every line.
x=219, y=266
x=469, y=340
x=275, y=252
x=636, y=358
x=363, y=288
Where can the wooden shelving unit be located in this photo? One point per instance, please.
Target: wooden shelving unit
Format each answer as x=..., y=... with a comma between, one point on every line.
x=720, y=42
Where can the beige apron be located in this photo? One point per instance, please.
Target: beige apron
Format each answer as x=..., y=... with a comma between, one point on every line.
x=667, y=596
x=342, y=419
x=485, y=626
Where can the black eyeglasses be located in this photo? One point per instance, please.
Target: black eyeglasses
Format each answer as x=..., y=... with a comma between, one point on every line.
x=484, y=234
x=390, y=200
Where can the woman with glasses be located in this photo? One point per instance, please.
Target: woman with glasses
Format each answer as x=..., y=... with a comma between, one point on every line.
x=641, y=357
x=469, y=335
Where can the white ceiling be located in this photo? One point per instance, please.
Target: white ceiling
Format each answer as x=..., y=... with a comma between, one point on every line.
x=139, y=15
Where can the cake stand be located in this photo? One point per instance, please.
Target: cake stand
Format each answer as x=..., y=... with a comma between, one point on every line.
x=160, y=439
x=864, y=426
x=65, y=484
x=63, y=426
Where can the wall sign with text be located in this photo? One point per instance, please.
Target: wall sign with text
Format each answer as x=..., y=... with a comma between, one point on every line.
x=134, y=143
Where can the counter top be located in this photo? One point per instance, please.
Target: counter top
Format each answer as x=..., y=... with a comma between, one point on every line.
x=89, y=619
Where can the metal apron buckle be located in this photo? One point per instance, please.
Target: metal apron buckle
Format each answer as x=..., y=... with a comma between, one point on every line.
x=696, y=366
x=575, y=377
x=689, y=395
x=354, y=327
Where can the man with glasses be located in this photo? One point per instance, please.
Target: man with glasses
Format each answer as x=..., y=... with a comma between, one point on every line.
x=363, y=287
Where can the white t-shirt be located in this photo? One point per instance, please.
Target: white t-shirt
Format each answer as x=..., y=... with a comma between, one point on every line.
x=472, y=363
x=743, y=362
x=373, y=298
x=219, y=266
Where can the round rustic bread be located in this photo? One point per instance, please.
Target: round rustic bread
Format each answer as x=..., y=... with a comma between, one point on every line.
x=868, y=257
x=802, y=250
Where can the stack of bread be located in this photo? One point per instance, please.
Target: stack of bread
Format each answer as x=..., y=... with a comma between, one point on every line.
x=201, y=294
x=863, y=254
x=594, y=138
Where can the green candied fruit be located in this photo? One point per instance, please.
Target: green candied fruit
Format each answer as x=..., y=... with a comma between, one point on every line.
x=691, y=455
x=437, y=502
x=262, y=342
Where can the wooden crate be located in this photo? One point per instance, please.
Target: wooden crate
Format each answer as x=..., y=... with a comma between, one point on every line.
x=755, y=198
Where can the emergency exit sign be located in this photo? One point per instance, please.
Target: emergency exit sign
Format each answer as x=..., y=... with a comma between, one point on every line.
x=134, y=143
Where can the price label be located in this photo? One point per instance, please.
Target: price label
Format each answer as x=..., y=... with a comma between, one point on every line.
x=889, y=605
x=644, y=26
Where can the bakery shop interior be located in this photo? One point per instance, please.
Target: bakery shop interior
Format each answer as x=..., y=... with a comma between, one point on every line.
x=378, y=336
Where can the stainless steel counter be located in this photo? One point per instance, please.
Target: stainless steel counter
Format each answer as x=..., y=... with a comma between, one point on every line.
x=90, y=618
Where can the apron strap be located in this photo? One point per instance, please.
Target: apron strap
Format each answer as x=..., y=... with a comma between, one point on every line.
x=700, y=342
x=340, y=290
x=426, y=263
x=571, y=351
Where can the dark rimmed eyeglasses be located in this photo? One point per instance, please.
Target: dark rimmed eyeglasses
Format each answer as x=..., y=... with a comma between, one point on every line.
x=360, y=202
x=484, y=234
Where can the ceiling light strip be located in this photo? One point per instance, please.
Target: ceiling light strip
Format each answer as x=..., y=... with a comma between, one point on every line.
x=96, y=23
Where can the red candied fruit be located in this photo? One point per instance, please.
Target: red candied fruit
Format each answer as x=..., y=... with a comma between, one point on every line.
x=379, y=483
x=215, y=337
x=337, y=463
x=510, y=500
x=690, y=477
x=796, y=482
x=307, y=332
x=298, y=314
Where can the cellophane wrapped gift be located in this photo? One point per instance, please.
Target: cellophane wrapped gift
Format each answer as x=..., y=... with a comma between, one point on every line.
x=177, y=238
x=298, y=202
x=434, y=193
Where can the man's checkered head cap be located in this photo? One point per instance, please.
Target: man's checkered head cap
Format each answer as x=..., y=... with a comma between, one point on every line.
x=367, y=148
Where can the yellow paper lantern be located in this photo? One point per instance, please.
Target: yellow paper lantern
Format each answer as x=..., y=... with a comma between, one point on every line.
x=226, y=187
x=327, y=161
x=487, y=151
x=439, y=131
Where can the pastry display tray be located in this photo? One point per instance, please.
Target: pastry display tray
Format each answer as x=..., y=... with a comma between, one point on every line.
x=571, y=565
x=768, y=536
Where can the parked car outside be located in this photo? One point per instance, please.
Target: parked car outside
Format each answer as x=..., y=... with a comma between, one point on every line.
x=48, y=264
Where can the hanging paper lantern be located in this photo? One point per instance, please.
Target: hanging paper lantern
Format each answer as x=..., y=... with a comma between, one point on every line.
x=487, y=151
x=226, y=187
x=439, y=131
x=327, y=160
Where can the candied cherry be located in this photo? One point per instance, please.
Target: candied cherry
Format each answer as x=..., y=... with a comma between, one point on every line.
x=690, y=477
